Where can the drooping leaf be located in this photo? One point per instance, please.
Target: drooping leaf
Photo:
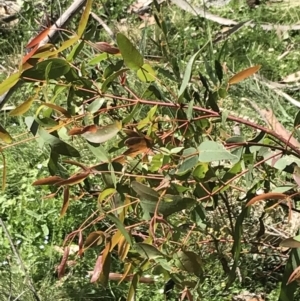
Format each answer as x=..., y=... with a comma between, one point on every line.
x=57, y=145
x=110, y=78
x=148, y=251
x=105, y=47
x=145, y=191
x=297, y=119
x=95, y=238
x=66, y=200
x=75, y=179
x=291, y=242
x=104, y=133
x=9, y=82
x=189, y=261
x=146, y=73
x=22, y=108
x=47, y=181
x=3, y=171
x=287, y=290
x=294, y=276
x=4, y=135
x=133, y=287
x=267, y=196
x=210, y=151
x=189, y=161
x=121, y=227
x=84, y=18
x=97, y=269
x=131, y=56
x=58, y=67
x=123, y=248
x=187, y=75
x=62, y=266
x=106, y=261
x=56, y=108
x=243, y=75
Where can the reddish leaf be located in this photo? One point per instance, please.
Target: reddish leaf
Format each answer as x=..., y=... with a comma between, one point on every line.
x=57, y=108
x=79, y=131
x=62, y=266
x=47, y=181
x=97, y=269
x=80, y=244
x=76, y=164
x=65, y=201
x=266, y=196
x=29, y=54
x=294, y=276
x=105, y=47
x=42, y=35
x=77, y=178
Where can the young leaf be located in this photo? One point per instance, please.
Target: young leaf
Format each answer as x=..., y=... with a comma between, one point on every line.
x=131, y=56
x=95, y=238
x=22, y=108
x=84, y=18
x=148, y=250
x=47, y=181
x=36, y=40
x=104, y=133
x=58, y=146
x=187, y=75
x=210, y=151
x=146, y=73
x=243, y=75
x=4, y=135
x=9, y=82
x=97, y=269
x=267, y=196
x=66, y=201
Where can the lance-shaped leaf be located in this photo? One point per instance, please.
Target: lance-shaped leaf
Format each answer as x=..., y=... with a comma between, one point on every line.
x=36, y=40
x=148, y=251
x=58, y=146
x=103, y=134
x=189, y=261
x=133, y=287
x=189, y=161
x=123, y=248
x=243, y=75
x=3, y=171
x=97, y=269
x=84, y=18
x=75, y=179
x=294, y=276
x=111, y=78
x=131, y=56
x=4, y=135
x=95, y=238
x=106, y=261
x=267, y=196
x=22, y=108
x=210, y=151
x=105, y=47
x=145, y=191
x=56, y=108
x=62, y=265
x=47, y=181
x=66, y=200
x=9, y=82
x=187, y=75
x=291, y=242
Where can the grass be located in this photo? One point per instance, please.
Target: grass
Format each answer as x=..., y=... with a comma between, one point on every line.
x=30, y=219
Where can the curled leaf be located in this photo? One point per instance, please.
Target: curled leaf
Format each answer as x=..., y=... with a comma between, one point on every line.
x=105, y=47
x=66, y=201
x=75, y=179
x=266, y=196
x=47, y=181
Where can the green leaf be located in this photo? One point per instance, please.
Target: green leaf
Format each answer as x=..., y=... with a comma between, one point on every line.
x=190, y=160
x=219, y=71
x=22, y=108
x=9, y=82
x=133, y=286
x=189, y=261
x=109, y=79
x=291, y=242
x=99, y=152
x=132, y=114
x=210, y=151
x=190, y=109
x=132, y=58
x=148, y=250
x=145, y=191
x=59, y=67
x=120, y=226
x=4, y=135
x=297, y=119
x=198, y=215
x=146, y=73
x=200, y=171
x=287, y=291
x=84, y=18
x=95, y=105
x=58, y=146
x=187, y=75
x=237, y=246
